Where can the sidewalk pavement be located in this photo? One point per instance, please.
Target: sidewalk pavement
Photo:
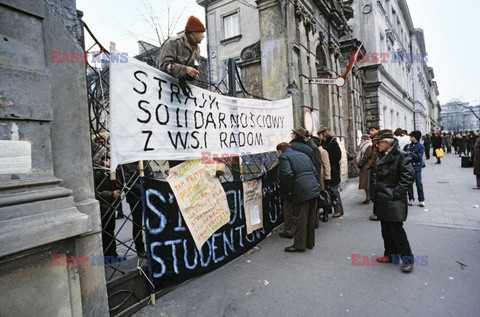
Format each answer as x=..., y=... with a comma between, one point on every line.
x=450, y=200
x=323, y=282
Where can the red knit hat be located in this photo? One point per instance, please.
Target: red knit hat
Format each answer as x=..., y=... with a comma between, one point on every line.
x=194, y=25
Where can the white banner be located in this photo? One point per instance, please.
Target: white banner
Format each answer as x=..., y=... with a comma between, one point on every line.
x=150, y=118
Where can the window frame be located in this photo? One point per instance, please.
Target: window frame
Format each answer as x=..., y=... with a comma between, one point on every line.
x=223, y=18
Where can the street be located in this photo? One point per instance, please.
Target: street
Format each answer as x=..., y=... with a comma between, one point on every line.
x=323, y=282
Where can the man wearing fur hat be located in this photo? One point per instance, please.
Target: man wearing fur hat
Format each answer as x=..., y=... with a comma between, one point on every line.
x=416, y=150
x=395, y=175
x=181, y=54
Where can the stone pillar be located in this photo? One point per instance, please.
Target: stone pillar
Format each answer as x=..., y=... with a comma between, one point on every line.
x=273, y=42
x=47, y=203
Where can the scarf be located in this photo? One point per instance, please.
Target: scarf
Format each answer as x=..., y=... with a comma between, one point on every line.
x=362, y=148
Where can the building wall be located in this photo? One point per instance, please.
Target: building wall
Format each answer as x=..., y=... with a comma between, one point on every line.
x=397, y=92
x=294, y=41
x=222, y=48
x=49, y=207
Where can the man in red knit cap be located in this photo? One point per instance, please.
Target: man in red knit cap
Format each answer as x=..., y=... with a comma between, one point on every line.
x=181, y=54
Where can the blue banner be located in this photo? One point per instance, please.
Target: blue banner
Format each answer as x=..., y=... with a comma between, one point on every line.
x=172, y=254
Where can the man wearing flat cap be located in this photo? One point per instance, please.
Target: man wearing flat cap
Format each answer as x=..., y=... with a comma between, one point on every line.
x=416, y=150
x=181, y=54
x=395, y=174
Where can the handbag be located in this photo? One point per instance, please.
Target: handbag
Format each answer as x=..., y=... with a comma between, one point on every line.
x=439, y=153
x=324, y=199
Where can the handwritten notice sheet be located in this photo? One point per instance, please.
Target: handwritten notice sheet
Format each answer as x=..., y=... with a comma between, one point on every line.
x=252, y=200
x=200, y=197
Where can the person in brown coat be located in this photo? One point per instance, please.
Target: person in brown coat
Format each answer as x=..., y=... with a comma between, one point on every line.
x=476, y=161
x=373, y=168
x=365, y=151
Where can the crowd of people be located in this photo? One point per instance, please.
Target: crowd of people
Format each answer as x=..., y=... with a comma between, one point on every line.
x=309, y=170
x=389, y=164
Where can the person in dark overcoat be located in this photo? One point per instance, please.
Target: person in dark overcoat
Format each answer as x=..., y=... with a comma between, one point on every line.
x=373, y=130
x=437, y=143
x=330, y=144
x=416, y=149
x=300, y=142
x=476, y=161
x=298, y=185
x=394, y=176
x=129, y=176
x=426, y=144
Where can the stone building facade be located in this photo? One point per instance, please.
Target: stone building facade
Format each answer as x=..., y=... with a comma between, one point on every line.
x=398, y=85
x=47, y=204
x=459, y=117
x=279, y=46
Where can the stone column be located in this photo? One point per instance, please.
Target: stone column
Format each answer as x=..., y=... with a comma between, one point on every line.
x=47, y=203
x=273, y=45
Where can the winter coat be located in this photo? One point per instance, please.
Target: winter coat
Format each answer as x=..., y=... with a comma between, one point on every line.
x=416, y=151
x=176, y=55
x=372, y=163
x=394, y=175
x=426, y=143
x=317, y=159
x=300, y=146
x=462, y=144
x=472, y=139
x=335, y=155
x=437, y=142
x=476, y=158
x=448, y=139
x=361, y=150
x=326, y=171
x=298, y=182
x=364, y=165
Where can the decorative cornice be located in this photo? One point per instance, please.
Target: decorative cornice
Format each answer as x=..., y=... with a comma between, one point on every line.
x=306, y=16
x=232, y=39
x=334, y=48
x=251, y=52
x=406, y=14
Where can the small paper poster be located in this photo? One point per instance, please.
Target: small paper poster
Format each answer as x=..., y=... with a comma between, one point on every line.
x=253, y=205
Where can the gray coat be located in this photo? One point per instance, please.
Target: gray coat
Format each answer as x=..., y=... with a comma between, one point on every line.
x=297, y=175
x=394, y=175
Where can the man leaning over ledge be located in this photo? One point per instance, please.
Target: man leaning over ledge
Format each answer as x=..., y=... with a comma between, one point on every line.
x=180, y=55
x=394, y=176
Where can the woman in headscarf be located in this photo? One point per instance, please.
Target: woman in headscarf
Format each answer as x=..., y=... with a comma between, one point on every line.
x=364, y=154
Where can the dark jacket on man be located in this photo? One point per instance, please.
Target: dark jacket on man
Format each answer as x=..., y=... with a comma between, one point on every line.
x=300, y=146
x=297, y=175
x=394, y=175
x=476, y=158
x=335, y=155
x=317, y=159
